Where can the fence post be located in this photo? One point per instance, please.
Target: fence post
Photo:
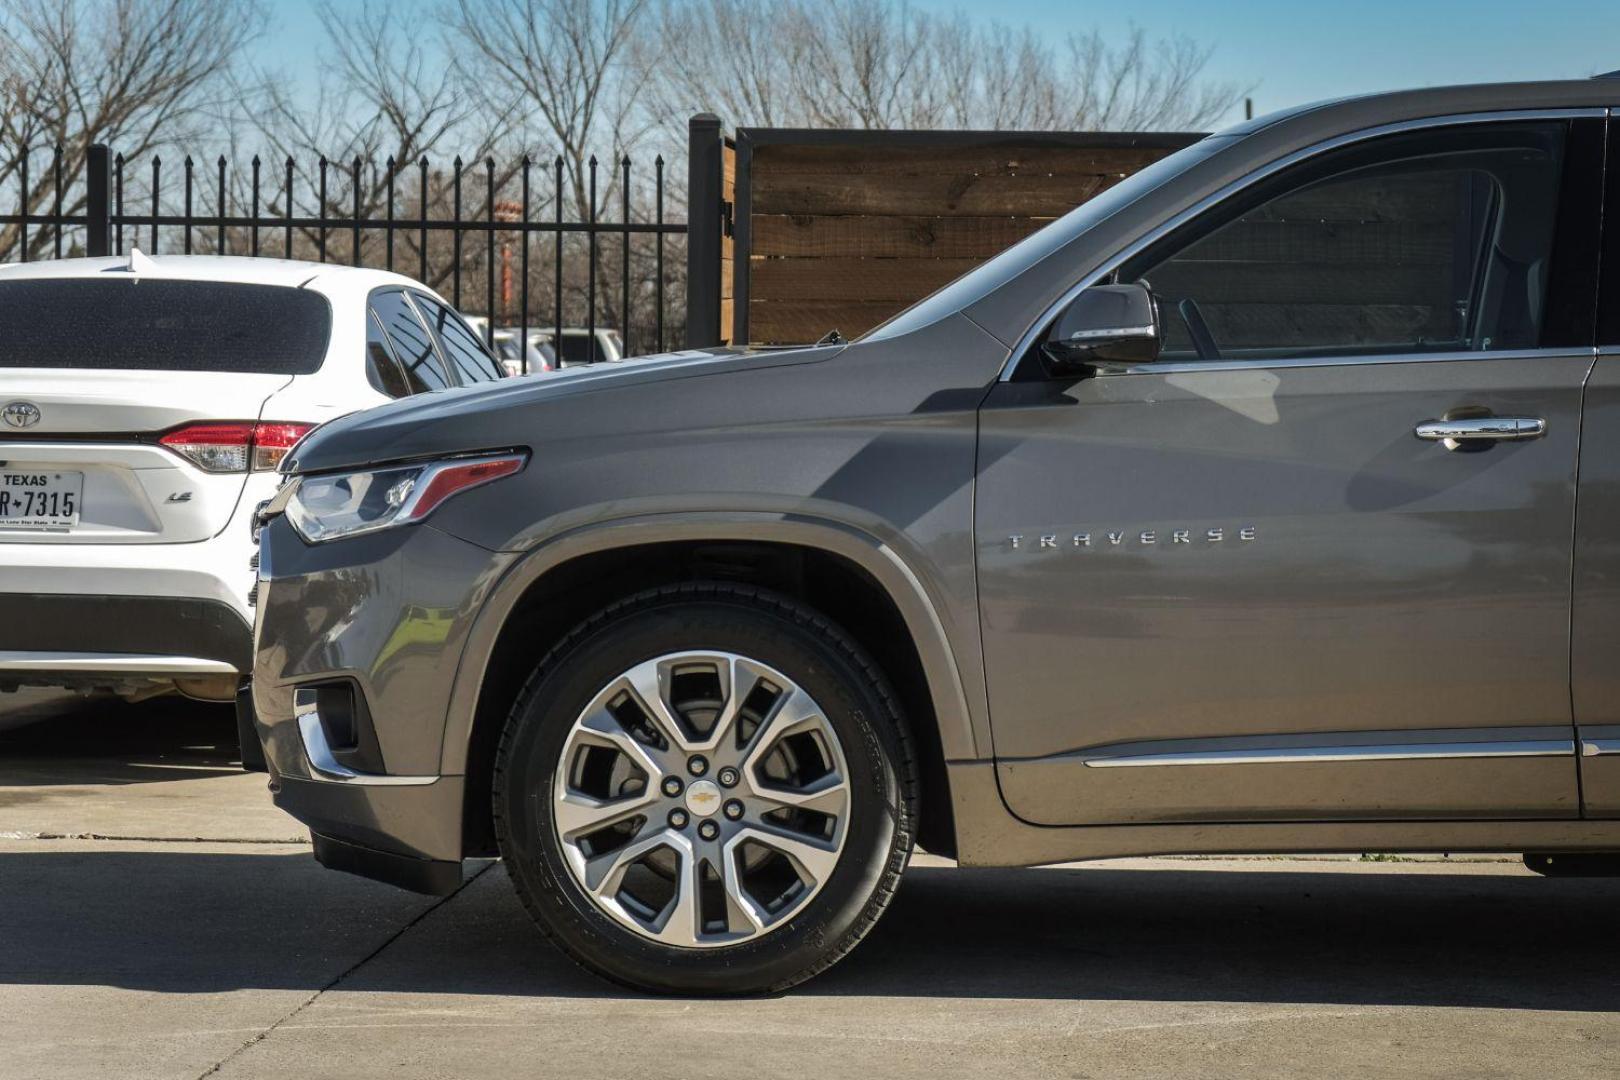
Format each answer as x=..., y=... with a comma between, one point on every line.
x=704, y=165
x=98, y=201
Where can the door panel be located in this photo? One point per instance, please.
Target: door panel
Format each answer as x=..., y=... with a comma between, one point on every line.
x=1251, y=579
x=1595, y=667
x=1270, y=552
x=1595, y=616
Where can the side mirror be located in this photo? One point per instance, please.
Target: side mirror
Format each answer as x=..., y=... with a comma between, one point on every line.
x=1106, y=324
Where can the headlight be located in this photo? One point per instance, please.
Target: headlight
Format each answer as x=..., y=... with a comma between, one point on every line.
x=348, y=504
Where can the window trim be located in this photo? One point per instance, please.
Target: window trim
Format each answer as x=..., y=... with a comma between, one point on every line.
x=375, y=321
x=451, y=378
x=1025, y=346
x=1608, y=320
x=451, y=372
x=439, y=346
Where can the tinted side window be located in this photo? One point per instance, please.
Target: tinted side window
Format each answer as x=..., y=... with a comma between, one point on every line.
x=382, y=370
x=462, y=347
x=1439, y=240
x=411, y=341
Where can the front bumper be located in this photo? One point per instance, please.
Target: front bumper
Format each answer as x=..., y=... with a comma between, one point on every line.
x=369, y=630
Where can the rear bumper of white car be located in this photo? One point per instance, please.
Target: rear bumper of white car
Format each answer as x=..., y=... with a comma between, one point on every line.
x=122, y=635
x=137, y=618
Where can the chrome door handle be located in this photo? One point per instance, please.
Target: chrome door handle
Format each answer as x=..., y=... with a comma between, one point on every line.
x=1482, y=429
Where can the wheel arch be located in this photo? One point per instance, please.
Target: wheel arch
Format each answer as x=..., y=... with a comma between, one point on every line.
x=564, y=580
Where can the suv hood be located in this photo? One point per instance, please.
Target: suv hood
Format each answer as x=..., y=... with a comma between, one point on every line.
x=509, y=413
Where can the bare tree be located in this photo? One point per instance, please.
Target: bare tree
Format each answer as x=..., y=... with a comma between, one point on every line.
x=139, y=74
x=729, y=61
x=558, y=68
x=1139, y=85
x=865, y=64
x=384, y=104
x=881, y=64
x=565, y=72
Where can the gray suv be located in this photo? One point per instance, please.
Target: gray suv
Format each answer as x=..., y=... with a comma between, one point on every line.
x=1234, y=512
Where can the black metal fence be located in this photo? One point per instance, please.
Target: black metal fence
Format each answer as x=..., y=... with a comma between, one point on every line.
x=527, y=245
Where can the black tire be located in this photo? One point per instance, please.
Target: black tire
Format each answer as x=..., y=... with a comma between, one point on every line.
x=1574, y=864
x=795, y=640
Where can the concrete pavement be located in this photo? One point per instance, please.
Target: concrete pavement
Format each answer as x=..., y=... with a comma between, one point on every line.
x=164, y=955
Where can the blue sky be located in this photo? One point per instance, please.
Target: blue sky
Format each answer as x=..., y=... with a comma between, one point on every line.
x=1290, y=51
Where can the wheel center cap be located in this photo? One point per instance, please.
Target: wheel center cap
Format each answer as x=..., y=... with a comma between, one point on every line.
x=703, y=798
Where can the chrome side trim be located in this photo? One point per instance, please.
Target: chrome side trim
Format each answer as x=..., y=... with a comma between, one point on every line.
x=1158, y=232
x=1300, y=755
x=323, y=765
x=1114, y=332
x=1599, y=747
x=1183, y=367
x=125, y=663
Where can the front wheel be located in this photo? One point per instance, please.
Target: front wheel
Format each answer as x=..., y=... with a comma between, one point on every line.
x=706, y=789
x=1574, y=863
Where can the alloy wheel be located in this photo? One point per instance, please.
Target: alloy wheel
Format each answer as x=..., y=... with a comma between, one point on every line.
x=701, y=799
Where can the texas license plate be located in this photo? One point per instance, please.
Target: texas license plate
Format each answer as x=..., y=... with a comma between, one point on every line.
x=40, y=500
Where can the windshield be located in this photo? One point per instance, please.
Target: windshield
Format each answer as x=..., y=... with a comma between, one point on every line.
x=145, y=324
x=1037, y=246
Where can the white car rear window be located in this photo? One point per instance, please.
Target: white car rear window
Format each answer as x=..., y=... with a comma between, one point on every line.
x=142, y=324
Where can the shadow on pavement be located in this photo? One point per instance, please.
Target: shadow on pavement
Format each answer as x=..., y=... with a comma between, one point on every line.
x=58, y=738
x=196, y=922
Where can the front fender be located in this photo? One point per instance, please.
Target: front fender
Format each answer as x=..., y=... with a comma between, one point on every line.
x=949, y=653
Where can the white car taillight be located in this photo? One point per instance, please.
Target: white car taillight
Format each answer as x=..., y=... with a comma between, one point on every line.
x=235, y=445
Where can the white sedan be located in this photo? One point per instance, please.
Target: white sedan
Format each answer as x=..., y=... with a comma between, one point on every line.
x=144, y=406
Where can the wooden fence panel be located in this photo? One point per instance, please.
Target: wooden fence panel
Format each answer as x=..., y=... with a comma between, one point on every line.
x=728, y=245
x=845, y=229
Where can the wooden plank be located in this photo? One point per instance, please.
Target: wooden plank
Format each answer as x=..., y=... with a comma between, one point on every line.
x=887, y=236
x=802, y=322
x=904, y=280
x=728, y=244
x=947, y=194
x=890, y=161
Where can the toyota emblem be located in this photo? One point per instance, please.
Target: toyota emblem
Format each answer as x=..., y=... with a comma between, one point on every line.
x=20, y=414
